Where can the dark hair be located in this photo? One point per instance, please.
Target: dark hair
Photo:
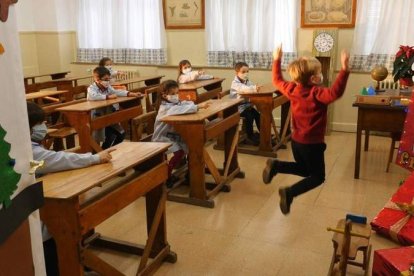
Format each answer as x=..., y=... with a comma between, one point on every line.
x=163, y=90
x=35, y=113
x=101, y=72
x=239, y=65
x=181, y=65
x=103, y=61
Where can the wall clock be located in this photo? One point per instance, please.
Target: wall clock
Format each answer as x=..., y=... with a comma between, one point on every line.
x=323, y=42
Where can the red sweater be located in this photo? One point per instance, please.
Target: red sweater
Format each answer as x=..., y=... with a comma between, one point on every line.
x=309, y=105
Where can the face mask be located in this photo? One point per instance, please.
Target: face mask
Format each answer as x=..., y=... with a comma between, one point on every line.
x=173, y=98
x=244, y=76
x=105, y=83
x=187, y=70
x=321, y=76
x=39, y=132
x=109, y=67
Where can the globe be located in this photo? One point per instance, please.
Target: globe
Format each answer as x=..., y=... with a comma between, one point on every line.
x=379, y=73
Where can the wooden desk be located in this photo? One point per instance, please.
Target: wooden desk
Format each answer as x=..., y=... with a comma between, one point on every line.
x=196, y=131
x=71, y=83
x=79, y=117
x=376, y=118
x=191, y=91
x=77, y=201
x=265, y=101
x=43, y=94
x=148, y=80
x=53, y=76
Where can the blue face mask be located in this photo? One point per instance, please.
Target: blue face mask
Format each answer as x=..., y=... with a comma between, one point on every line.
x=39, y=132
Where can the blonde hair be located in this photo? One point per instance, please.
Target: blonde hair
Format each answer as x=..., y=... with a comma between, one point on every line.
x=303, y=68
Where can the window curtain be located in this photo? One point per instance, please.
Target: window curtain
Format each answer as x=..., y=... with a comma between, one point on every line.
x=245, y=30
x=127, y=31
x=381, y=27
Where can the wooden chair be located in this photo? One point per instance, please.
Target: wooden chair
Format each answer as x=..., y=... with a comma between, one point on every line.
x=143, y=124
x=348, y=239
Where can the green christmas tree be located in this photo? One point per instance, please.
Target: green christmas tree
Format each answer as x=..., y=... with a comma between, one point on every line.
x=8, y=177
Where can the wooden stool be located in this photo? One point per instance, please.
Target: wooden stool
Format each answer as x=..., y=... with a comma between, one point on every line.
x=60, y=134
x=348, y=239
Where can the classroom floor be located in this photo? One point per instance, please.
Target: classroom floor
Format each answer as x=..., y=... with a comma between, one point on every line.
x=246, y=234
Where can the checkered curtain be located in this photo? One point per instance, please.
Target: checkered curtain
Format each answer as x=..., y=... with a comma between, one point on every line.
x=244, y=30
x=381, y=27
x=127, y=31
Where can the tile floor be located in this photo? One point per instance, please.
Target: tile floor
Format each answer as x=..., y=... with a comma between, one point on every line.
x=246, y=234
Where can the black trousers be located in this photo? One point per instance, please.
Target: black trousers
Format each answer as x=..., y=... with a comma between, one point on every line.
x=309, y=163
x=51, y=257
x=112, y=137
x=251, y=115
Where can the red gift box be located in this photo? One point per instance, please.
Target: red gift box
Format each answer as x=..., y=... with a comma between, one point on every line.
x=405, y=156
x=394, y=261
x=395, y=219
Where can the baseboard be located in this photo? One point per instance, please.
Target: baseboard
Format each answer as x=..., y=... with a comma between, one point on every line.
x=335, y=126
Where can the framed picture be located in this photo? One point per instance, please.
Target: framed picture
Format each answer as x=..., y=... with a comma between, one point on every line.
x=183, y=14
x=328, y=13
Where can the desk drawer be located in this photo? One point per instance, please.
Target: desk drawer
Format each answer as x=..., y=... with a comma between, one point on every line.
x=381, y=120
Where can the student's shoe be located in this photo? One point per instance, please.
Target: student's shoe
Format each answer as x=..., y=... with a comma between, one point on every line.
x=269, y=171
x=285, y=200
x=171, y=181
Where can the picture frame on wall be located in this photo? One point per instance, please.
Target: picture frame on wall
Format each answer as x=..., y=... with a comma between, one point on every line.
x=328, y=13
x=184, y=14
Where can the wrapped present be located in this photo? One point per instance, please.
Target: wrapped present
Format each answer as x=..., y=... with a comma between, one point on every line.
x=396, y=220
x=394, y=261
x=405, y=156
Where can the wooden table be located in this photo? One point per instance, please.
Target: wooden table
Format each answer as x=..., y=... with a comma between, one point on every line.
x=265, y=100
x=196, y=131
x=42, y=94
x=148, y=80
x=71, y=84
x=376, y=118
x=53, y=76
x=79, y=117
x=77, y=201
x=191, y=91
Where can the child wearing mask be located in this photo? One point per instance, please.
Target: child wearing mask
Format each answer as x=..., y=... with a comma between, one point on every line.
x=186, y=73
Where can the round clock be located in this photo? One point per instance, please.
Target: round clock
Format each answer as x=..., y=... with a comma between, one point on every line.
x=323, y=42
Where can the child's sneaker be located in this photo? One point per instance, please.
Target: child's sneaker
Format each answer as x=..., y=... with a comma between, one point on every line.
x=285, y=200
x=269, y=171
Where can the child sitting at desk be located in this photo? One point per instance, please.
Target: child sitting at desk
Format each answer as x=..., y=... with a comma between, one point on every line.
x=101, y=90
x=55, y=162
x=186, y=74
x=169, y=104
x=240, y=84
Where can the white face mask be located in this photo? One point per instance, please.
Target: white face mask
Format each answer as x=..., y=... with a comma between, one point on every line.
x=39, y=132
x=105, y=83
x=173, y=98
x=243, y=76
x=109, y=67
x=187, y=70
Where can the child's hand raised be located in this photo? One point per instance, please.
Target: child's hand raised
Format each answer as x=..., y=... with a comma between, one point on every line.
x=112, y=96
x=277, y=53
x=345, y=60
x=105, y=156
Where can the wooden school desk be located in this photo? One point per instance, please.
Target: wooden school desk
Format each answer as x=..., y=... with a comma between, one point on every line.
x=196, y=131
x=53, y=76
x=148, y=80
x=71, y=83
x=265, y=101
x=373, y=117
x=44, y=94
x=77, y=201
x=191, y=91
x=79, y=117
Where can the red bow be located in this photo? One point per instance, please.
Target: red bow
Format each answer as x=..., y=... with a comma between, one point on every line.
x=4, y=9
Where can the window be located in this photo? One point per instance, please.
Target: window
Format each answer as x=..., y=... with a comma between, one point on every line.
x=128, y=31
x=245, y=30
x=381, y=27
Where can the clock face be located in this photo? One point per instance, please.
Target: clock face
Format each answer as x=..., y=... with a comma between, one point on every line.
x=323, y=42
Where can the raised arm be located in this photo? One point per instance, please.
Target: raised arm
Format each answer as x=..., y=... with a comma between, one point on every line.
x=284, y=87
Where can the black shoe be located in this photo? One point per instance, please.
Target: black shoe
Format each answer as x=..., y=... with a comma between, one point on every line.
x=285, y=200
x=171, y=181
x=269, y=171
x=253, y=140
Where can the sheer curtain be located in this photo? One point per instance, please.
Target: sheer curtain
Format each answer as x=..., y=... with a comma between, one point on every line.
x=127, y=31
x=381, y=27
x=245, y=30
